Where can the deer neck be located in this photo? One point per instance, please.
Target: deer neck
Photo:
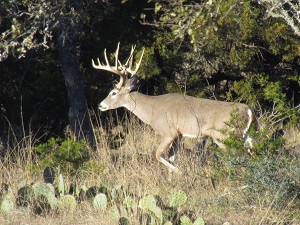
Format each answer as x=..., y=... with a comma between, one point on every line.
x=143, y=106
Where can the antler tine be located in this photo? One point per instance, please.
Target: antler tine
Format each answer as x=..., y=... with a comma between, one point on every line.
x=130, y=58
x=117, y=56
x=137, y=66
x=106, y=60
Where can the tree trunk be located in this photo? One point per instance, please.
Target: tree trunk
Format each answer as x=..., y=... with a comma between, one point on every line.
x=68, y=43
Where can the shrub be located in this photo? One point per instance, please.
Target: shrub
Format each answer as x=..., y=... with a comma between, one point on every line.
x=69, y=154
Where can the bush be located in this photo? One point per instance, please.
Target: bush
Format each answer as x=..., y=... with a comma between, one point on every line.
x=69, y=154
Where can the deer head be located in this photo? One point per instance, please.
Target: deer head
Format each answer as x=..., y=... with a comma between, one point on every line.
x=129, y=81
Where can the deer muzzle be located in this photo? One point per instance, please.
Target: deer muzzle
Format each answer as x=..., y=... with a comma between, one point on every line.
x=103, y=106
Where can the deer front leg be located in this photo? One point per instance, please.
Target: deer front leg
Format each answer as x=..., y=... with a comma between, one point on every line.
x=163, y=146
x=174, y=148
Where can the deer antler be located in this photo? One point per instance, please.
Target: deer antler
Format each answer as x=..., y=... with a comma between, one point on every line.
x=114, y=69
x=127, y=67
x=121, y=70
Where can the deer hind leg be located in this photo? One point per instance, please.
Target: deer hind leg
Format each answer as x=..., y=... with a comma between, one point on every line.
x=174, y=148
x=163, y=146
x=218, y=137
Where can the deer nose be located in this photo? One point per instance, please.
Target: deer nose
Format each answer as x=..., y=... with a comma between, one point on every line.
x=103, y=106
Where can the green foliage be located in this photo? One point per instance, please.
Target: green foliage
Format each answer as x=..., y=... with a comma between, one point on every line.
x=273, y=177
x=260, y=90
x=269, y=90
x=68, y=154
x=281, y=42
x=149, y=67
x=43, y=189
x=28, y=28
x=229, y=41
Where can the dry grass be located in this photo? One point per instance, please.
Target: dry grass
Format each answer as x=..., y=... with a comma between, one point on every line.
x=215, y=198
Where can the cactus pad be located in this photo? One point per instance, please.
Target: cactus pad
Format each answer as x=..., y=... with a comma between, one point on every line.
x=49, y=175
x=177, y=198
x=25, y=196
x=67, y=203
x=100, y=202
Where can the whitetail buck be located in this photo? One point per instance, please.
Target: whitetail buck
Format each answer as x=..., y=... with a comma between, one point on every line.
x=173, y=115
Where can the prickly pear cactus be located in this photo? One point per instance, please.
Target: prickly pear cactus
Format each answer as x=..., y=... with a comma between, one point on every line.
x=151, y=220
x=49, y=175
x=177, y=198
x=114, y=212
x=148, y=205
x=199, y=221
x=105, y=190
x=67, y=203
x=6, y=199
x=42, y=205
x=45, y=198
x=7, y=205
x=129, y=203
x=100, y=202
x=43, y=189
x=124, y=221
x=61, y=185
x=25, y=196
x=184, y=220
x=117, y=193
x=168, y=223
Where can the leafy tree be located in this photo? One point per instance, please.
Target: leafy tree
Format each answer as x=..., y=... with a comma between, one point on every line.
x=288, y=11
x=33, y=25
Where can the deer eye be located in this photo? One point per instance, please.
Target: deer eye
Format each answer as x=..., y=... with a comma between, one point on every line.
x=114, y=93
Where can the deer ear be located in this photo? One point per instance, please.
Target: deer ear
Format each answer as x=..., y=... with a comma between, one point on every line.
x=133, y=83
